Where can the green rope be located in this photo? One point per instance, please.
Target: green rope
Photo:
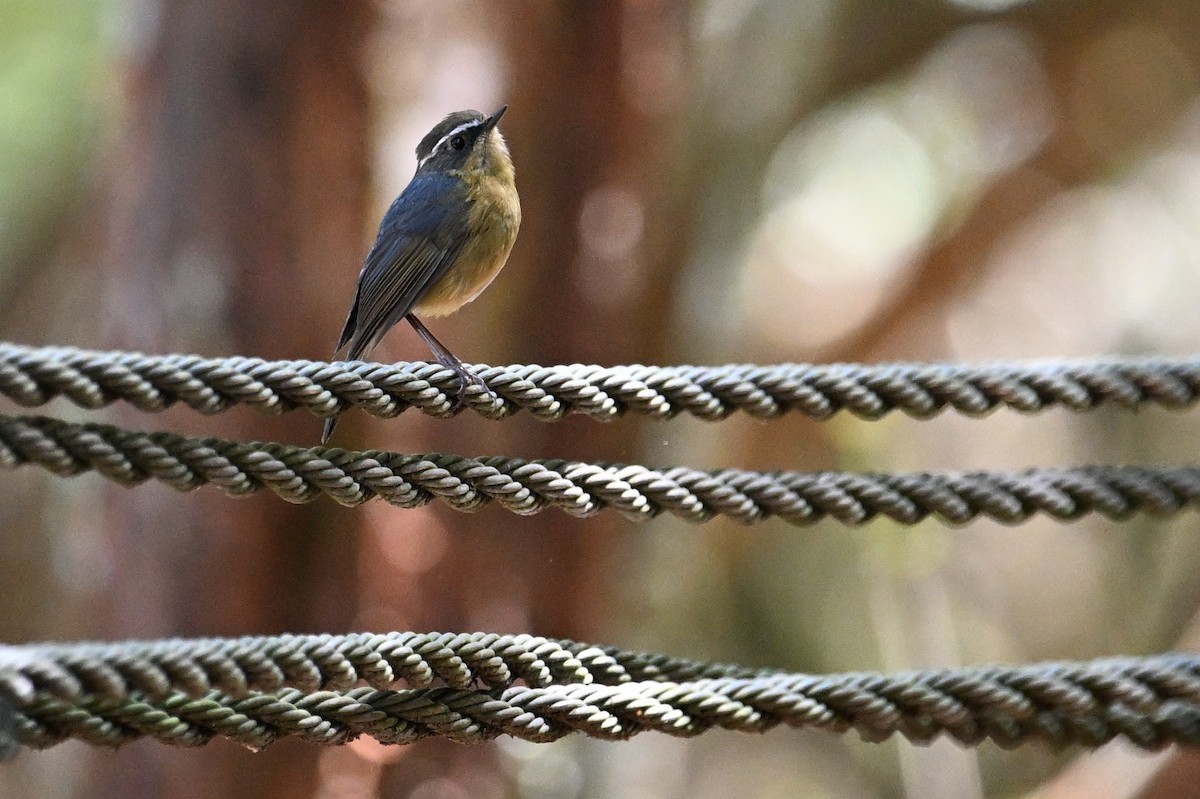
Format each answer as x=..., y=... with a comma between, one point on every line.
x=475, y=686
x=299, y=474
x=33, y=376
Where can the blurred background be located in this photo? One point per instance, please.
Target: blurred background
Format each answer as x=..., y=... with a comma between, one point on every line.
x=703, y=182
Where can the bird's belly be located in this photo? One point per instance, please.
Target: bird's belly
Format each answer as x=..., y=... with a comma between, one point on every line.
x=483, y=256
x=462, y=283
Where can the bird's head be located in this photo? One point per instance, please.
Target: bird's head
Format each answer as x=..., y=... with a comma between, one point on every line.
x=468, y=144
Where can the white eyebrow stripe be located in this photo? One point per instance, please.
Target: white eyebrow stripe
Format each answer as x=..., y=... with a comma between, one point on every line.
x=464, y=126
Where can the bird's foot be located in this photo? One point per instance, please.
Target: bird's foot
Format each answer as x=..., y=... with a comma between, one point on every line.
x=469, y=383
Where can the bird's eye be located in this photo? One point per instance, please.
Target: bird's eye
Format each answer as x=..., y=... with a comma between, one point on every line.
x=458, y=142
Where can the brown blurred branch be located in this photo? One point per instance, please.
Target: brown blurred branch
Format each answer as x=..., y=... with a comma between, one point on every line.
x=960, y=260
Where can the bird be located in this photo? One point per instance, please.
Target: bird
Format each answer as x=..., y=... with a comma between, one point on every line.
x=442, y=241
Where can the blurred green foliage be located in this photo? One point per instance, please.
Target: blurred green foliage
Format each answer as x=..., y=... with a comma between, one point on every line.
x=52, y=80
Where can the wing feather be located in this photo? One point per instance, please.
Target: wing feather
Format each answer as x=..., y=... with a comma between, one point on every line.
x=419, y=239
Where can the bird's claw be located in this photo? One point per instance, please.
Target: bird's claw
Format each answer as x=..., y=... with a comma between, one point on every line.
x=467, y=380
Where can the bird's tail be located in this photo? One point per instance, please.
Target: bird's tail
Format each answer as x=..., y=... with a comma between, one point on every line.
x=330, y=423
x=359, y=342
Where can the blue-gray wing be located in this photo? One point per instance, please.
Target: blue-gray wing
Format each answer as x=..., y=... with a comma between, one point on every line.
x=420, y=237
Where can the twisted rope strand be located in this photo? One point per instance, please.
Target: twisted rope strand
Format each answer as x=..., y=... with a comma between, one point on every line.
x=299, y=474
x=32, y=376
x=310, y=663
x=601, y=692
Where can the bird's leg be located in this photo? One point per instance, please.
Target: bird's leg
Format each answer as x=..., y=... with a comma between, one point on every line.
x=446, y=358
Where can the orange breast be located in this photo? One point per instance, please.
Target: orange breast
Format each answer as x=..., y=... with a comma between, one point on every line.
x=494, y=218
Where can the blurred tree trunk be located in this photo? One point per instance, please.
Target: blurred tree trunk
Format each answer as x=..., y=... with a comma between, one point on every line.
x=587, y=282
x=238, y=194
x=578, y=143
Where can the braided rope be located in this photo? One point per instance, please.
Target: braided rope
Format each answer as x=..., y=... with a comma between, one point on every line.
x=311, y=663
x=350, y=478
x=540, y=690
x=33, y=376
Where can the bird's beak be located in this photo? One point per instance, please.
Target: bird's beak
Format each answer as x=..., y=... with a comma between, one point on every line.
x=494, y=118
